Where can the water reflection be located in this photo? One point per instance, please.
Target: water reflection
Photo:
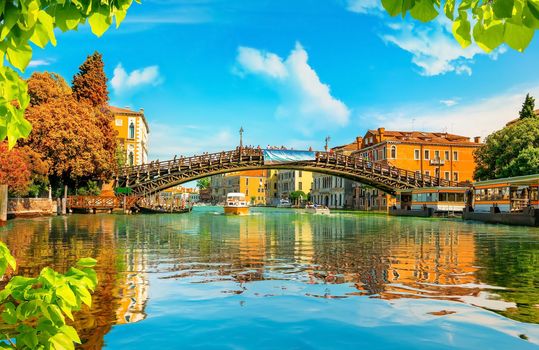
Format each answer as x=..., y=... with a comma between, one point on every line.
x=494, y=267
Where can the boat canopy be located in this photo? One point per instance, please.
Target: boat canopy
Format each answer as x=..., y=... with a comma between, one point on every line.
x=235, y=194
x=526, y=180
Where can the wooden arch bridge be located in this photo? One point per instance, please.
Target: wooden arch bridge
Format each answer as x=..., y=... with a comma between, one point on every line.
x=151, y=178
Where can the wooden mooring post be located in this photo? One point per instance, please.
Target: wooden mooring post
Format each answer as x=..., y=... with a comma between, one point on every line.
x=3, y=203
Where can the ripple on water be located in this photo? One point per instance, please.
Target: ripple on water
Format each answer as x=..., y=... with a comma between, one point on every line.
x=281, y=278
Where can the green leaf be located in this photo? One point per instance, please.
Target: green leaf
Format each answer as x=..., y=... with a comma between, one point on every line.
x=84, y=295
x=55, y=315
x=424, y=10
x=489, y=37
x=518, y=37
x=461, y=30
x=503, y=8
x=71, y=333
x=86, y=262
x=393, y=7
x=19, y=55
x=11, y=15
x=449, y=9
x=533, y=6
x=61, y=341
x=67, y=17
x=100, y=21
x=67, y=295
x=48, y=275
x=9, y=315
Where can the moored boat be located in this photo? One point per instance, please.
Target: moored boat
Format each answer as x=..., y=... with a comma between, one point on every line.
x=512, y=201
x=316, y=209
x=236, y=204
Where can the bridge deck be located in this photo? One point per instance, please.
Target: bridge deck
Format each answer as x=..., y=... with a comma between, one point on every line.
x=157, y=176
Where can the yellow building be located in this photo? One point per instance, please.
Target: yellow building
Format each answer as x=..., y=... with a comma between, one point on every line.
x=250, y=182
x=133, y=133
x=272, y=197
x=289, y=181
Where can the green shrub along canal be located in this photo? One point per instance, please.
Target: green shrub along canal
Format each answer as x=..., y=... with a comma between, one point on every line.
x=280, y=278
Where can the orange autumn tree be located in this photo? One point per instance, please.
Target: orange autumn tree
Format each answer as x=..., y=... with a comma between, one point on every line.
x=90, y=87
x=20, y=168
x=66, y=132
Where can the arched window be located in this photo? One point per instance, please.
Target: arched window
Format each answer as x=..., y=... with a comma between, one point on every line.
x=131, y=158
x=394, y=152
x=132, y=130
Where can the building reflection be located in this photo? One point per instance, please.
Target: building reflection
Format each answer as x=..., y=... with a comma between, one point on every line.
x=377, y=256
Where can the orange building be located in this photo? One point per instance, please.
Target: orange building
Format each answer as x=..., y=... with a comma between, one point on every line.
x=436, y=154
x=133, y=133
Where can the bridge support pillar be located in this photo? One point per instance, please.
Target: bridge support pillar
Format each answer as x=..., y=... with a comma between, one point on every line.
x=3, y=203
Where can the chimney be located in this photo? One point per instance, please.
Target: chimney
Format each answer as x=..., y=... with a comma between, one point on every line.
x=381, y=132
x=359, y=141
x=477, y=139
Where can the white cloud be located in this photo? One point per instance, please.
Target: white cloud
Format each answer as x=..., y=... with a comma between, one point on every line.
x=123, y=82
x=39, y=63
x=473, y=118
x=433, y=48
x=167, y=140
x=432, y=45
x=449, y=102
x=364, y=6
x=305, y=100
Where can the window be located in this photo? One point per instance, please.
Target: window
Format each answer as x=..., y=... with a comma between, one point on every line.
x=455, y=176
x=132, y=130
x=427, y=154
x=393, y=152
x=436, y=155
x=299, y=175
x=119, y=122
x=455, y=155
x=417, y=154
x=446, y=155
x=300, y=186
x=384, y=153
x=427, y=173
x=131, y=158
x=447, y=176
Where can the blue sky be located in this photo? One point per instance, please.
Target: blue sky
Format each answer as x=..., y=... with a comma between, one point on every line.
x=292, y=72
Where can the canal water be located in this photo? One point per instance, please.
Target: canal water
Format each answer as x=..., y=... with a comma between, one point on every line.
x=280, y=278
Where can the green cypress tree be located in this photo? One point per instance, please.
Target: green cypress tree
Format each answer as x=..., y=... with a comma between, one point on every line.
x=528, y=108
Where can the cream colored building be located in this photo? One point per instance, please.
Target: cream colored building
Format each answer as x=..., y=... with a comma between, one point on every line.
x=132, y=135
x=289, y=181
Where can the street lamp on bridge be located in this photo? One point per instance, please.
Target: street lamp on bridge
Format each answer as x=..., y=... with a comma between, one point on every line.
x=327, y=139
x=241, y=137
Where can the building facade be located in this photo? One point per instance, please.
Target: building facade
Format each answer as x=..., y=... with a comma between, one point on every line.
x=289, y=181
x=132, y=137
x=441, y=155
x=332, y=191
x=272, y=197
x=250, y=182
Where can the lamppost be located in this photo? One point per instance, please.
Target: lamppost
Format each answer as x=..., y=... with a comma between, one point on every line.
x=327, y=139
x=241, y=138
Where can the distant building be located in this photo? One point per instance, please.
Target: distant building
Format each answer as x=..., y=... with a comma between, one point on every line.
x=332, y=191
x=516, y=120
x=133, y=133
x=289, y=181
x=180, y=194
x=250, y=182
x=272, y=180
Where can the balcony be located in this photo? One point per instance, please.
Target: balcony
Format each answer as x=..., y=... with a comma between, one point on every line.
x=437, y=161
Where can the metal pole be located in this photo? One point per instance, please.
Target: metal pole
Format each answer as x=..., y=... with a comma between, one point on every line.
x=241, y=139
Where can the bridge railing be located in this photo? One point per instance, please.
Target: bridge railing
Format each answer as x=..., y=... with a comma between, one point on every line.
x=158, y=168
x=187, y=162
